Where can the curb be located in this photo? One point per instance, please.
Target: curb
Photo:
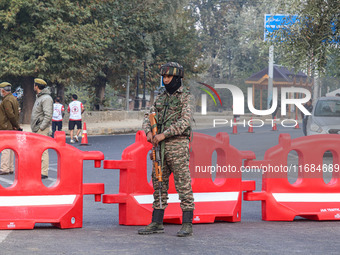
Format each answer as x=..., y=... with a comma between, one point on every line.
x=112, y=131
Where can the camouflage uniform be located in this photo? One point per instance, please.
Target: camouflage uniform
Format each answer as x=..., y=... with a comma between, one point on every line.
x=177, y=129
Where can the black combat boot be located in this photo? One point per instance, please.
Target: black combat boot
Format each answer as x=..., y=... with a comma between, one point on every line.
x=156, y=226
x=186, y=229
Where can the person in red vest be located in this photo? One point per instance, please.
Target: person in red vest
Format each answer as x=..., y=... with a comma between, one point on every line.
x=57, y=118
x=76, y=109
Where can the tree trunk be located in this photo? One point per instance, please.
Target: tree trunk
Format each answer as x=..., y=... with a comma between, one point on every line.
x=316, y=89
x=28, y=99
x=100, y=84
x=152, y=97
x=61, y=92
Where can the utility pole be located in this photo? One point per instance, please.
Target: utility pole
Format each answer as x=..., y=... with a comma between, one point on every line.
x=136, y=107
x=144, y=87
x=270, y=74
x=229, y=58
x=127, y=93
x=144, y=99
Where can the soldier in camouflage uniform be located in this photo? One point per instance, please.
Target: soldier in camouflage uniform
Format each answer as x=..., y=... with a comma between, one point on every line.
x=174, y=109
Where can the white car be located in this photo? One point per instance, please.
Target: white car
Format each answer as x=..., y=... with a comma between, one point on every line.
x=325, y=118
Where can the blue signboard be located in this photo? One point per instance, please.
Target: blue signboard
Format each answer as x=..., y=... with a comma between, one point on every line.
x=273, y=22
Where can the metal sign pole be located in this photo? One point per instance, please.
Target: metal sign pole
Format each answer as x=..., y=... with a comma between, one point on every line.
x=270, y=74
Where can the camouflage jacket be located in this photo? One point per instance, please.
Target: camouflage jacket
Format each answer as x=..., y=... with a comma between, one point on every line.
x=178, y=116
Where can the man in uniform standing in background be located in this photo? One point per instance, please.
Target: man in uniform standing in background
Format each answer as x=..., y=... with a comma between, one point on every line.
x=174, y=110
x=76, y=109
x=41, y=118
x=9, y=120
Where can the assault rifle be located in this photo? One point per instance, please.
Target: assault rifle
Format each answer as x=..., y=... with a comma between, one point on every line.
x=156, y=156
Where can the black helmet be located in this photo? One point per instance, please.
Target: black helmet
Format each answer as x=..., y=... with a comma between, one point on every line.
x=172, y=68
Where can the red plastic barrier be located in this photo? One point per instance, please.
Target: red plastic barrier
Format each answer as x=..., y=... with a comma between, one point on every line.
x=28, y=200
x=309, y=197
x=214, y=200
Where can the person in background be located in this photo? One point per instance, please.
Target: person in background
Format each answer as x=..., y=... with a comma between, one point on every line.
x=76, y=109
x=309, y=108
x=41, y=118
x=57, y=118
x=9, y=120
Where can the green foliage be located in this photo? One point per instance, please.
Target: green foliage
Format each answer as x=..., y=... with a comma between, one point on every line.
x=310, y=42
x=98, y=43
x=231, y=38
x=53, y=39
x=78, y=42
x=112, y=100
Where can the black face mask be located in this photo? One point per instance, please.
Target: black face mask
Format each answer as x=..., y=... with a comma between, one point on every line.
x=173, y=85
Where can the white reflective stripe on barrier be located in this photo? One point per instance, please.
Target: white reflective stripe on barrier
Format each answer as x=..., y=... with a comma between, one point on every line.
x=198, y=197
x=307, y=197
x=37, y=200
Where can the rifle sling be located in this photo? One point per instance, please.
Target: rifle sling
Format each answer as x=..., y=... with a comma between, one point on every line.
x=166, y=104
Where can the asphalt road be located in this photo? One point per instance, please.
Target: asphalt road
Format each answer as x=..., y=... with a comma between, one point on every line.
x=101, y=233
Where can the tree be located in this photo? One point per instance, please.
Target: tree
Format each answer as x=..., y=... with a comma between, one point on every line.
x=150, y=31
x=309, y=42
x=153, y=32
x=231, y=38
x=54, y=40
x=175, y=39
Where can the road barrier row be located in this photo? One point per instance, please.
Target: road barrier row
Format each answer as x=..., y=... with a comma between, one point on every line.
x=28, y=201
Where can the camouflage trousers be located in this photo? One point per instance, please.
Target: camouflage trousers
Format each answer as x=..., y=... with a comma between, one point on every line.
x=176, y=161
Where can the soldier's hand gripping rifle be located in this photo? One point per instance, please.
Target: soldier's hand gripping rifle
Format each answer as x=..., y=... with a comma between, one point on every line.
x=156, y=156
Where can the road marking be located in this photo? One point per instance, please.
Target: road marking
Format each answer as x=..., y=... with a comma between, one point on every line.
x=5, y=180
x=293, y=155
x=52, y=180
x=53, y=169
x=4, y=234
